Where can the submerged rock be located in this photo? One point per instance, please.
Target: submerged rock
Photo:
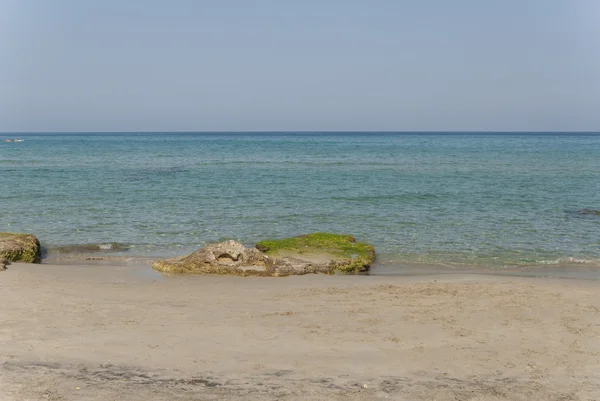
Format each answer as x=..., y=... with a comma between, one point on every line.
x=313, y=253
x=591, y=212
x=20, y=247
x=3, y=263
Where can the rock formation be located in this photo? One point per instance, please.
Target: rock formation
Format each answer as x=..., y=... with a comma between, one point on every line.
x=229, y=257
x=313, y=253
x=318, y=253
x=20, y=247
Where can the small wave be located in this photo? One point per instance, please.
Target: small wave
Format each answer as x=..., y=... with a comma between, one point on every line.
x=87, y=248
x=391, y=197
x=145, y=174
x=498, y=261
x=570, y=260
x=87, y=259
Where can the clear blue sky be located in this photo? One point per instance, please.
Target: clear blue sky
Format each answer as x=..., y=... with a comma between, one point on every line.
x=150, y=65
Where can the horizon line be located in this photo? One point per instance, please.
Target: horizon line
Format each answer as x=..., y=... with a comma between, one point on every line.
x=303, y=132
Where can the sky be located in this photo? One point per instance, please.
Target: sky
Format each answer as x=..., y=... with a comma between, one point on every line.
x=299, y=65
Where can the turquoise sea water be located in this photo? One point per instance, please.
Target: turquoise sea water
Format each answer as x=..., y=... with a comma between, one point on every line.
x=493, y=200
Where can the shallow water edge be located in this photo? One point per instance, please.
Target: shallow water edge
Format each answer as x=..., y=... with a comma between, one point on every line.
x=141, y=266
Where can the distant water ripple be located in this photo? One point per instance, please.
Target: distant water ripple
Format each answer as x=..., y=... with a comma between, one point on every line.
x=449, y=200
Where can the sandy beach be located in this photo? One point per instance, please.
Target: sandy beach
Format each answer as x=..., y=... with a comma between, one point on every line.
x=75, y=332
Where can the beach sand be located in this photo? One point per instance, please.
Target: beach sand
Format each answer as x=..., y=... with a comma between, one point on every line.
x=73, y=332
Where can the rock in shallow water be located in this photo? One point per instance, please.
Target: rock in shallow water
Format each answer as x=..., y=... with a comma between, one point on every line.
x=20, y=247
x=591, y=212
x=313, y=253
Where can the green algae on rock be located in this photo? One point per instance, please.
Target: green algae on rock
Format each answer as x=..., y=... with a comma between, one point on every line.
x=16, y=247
x=313, y=253
x=326, y=252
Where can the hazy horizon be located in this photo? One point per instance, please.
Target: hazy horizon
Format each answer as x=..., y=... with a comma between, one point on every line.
x=269, y=66
x=292, y=132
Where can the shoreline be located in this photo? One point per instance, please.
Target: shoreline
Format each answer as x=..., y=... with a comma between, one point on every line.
x=75, y=332
x=389, y=269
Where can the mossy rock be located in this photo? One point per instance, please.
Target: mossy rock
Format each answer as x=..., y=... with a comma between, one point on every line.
x=322, y=253
x=326, y=252
x=16, y=247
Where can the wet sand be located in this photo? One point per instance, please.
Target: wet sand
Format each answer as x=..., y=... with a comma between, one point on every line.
x=76, y=332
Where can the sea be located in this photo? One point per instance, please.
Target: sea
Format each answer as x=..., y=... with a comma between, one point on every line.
x=470, y=201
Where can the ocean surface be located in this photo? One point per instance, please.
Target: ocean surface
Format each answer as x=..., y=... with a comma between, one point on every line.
x=424, y=200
